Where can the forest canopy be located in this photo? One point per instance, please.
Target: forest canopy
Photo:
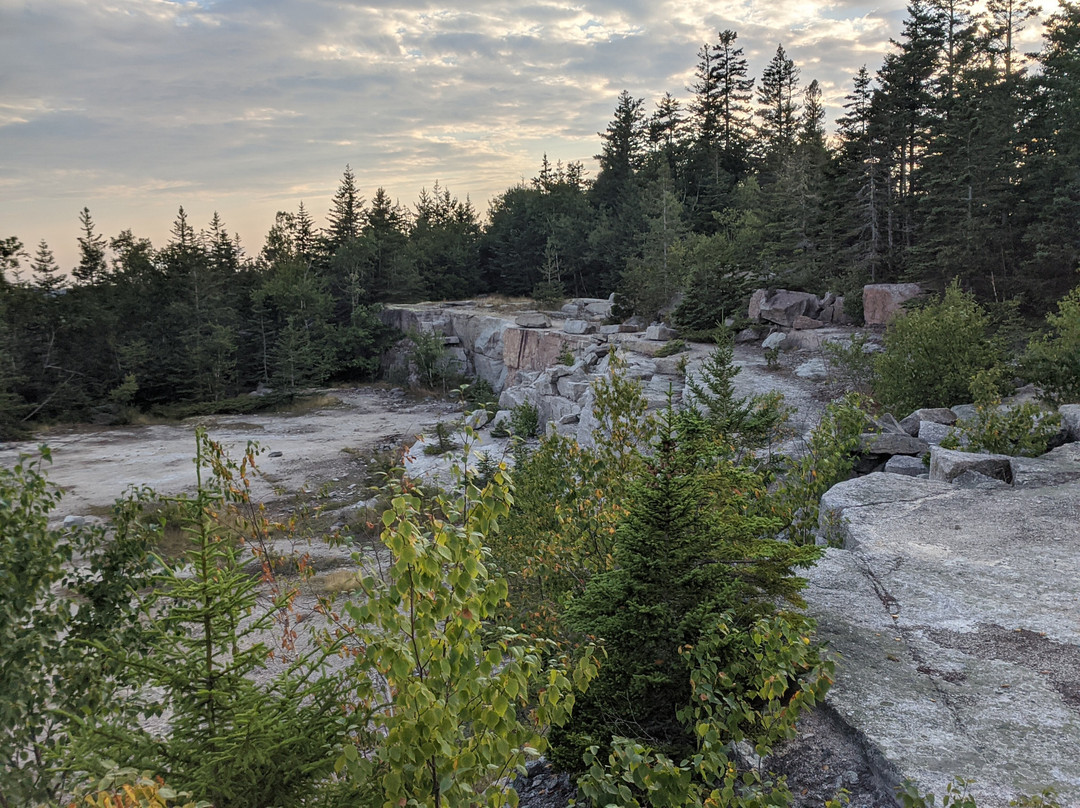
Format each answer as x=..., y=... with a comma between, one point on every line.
x=958, y=158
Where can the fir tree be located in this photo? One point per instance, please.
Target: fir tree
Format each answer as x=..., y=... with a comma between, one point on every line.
x=92, y=267
x=47, y=275
x=778, y=106
x=346, y=217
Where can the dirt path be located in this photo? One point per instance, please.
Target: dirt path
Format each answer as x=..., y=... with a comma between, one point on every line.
x=95, y=466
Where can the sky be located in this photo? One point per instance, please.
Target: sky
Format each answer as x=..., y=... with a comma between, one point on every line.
x=133, y=108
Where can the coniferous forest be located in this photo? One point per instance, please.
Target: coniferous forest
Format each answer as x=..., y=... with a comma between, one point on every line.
x=958, y=158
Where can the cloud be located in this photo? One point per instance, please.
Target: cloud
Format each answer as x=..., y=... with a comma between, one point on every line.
x=251, y=105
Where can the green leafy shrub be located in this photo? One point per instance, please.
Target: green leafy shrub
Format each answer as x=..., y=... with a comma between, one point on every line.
x=748, y=684
x=829, y=459
x=1053, y=360
x=566, y=356
x=932, y=354
x=431, y=359
x=445, y=692
x=1024, y=430
x=567, y=500
x=51, y=614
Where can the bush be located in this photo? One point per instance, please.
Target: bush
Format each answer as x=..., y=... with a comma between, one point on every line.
x=549, y=294
x=479, y=395
x=1021, y=431
x=1053, y=361
x=524, y=420
x=671, y=347
x=127, y=788
x=444, y=440
x=852, y=364
x=932, y=354
x=52, y=615
x=446, y=694
x=431, y=359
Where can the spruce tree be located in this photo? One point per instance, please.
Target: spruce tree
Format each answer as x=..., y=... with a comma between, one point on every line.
x=91, y=268
x=46, y=272
x=231, y=741
x=778, y=107
x=692, y=547
x=734, y=91
x=346, y=217
x=622, y=152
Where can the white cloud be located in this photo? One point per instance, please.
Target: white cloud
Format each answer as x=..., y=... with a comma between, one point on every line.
x=250, y=105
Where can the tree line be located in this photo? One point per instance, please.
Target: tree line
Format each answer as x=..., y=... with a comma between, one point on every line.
x=958, y=158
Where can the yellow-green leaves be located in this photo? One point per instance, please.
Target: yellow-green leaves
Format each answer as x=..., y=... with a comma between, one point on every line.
x=449, y=686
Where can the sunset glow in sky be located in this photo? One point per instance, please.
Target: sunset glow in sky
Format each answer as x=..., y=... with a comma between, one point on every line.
x=247, y=107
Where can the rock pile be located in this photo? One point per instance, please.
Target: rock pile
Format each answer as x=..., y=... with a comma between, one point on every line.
x=912, y=447
x=796, y=310
x=532, y=357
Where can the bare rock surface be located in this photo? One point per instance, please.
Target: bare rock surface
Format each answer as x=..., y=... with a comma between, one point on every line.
x=95, y=466
x=948, y=464
x=1070, y=420
x=954, y=613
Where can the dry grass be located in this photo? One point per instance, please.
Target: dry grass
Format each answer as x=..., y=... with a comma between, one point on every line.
x=335, y=583
x=302, y=406
x=503, y=303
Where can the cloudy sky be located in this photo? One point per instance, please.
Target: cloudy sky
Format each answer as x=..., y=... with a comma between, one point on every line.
x=247, y=107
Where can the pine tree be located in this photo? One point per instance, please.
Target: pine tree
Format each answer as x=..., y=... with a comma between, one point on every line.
x=92, y=268
x=444, y=245
x=46, y=272
x=690, y=549
x=304, y=237
x=859, y=188
x=231, y=741
x=392, y=275
x=778, y=107
x=1007, y=18
x=346, y=217
x=1050, y=182
x=958, y=28
x=651, y=280
x=667, y=135
x=719, y=129
x=734, y=91
x=706, y=107
x=622, y=152
x=904, y=110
